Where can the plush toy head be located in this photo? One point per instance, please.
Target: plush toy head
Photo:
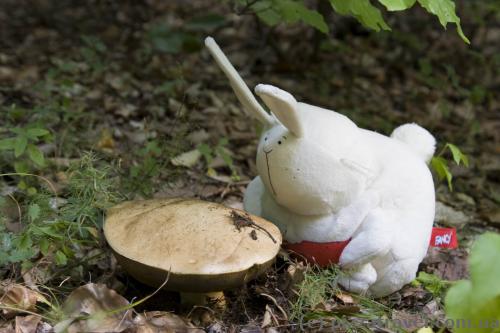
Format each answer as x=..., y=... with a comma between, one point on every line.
x=310, y=164
x=304, y=163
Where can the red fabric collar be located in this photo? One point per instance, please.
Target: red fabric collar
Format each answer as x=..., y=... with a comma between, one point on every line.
x=325, y=254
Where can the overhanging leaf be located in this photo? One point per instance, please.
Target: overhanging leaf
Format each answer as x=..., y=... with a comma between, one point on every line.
x=294, y=11
x=396, y=5
x=445, y=11
x=363, y=11
x=206, y=22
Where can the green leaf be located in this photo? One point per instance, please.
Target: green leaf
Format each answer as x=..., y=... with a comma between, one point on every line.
x=440, y=165
x=21, y=167
x=478, y=301
x=457, y=154
x=206, y=151
x=36, y=155
x=20, y=145
x=267, y=12
x=485, y=266
x=206, y=22
x=18, y=130
x=44, y=246
x=445, y=11
x=396, y=5
x=294, y=11
x=432, y=283
x=363, y=11
x=33, y=212
x=8, y=143
x=222, y=142
x=36, y=132
x=270, y=17
x=50, y=231
x=24, y=242
x=225, y=155
x=19, y=255
x=61, y=258
x=95, y=43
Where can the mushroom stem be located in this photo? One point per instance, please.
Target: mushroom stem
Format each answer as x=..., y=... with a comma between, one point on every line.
x=191, y=299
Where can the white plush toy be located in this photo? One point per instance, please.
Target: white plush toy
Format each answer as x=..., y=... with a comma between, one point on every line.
x=324, y=179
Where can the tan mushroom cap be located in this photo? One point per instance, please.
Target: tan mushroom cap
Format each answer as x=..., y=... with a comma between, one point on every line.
x=197, y=241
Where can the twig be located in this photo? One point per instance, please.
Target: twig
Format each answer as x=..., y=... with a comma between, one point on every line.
x=19, y=213
x=246, y=8
x=275, y=302
x=52, y=187
x=244, y=220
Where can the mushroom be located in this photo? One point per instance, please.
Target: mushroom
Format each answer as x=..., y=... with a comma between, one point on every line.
x=199, y=246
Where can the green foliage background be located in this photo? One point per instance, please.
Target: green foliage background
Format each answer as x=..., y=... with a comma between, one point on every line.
x=273, y=12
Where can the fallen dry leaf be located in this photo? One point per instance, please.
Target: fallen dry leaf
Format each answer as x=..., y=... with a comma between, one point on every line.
x=448, y=264
x=106, y=140
x=16, y=298
x=93, y=308
x=44, y=327
x=7, y=327
x=187, y=159
x=27, y=324
x=345, y=298
x=408, y=321
x=294, y=275
x=268, y=317
x=161, y=322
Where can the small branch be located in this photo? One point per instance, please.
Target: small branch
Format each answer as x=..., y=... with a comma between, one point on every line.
x=244, y=220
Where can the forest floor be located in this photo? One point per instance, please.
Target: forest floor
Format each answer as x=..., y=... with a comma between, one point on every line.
x=131, y=83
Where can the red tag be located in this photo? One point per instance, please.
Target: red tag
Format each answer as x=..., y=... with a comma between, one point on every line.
x=444, y=237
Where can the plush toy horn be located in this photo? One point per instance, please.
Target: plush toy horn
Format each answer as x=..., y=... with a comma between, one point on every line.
x=241, y=90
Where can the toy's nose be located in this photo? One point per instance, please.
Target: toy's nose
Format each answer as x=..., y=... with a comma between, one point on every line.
x=267, y=145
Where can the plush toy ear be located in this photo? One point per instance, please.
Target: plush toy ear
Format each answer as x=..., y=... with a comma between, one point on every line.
x=283, y=105
x=241, y=90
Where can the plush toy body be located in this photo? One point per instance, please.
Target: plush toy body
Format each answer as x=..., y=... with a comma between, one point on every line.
x=323, y=179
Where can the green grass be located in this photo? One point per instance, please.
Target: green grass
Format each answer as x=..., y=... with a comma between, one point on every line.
x=61, y=228
x=318, y=288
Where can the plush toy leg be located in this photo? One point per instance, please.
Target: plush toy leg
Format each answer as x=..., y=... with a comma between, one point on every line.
x=254, y=194
x=358, y=280
x=349, y=218
x=371, y=241
x=394, y=277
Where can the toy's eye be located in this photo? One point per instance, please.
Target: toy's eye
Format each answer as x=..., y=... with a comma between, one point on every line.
x=265, y=139
x=279, y=142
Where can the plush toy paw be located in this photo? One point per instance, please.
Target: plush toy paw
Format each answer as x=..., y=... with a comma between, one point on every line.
x=394, y=276
x=372, y=240
x=359, y=280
